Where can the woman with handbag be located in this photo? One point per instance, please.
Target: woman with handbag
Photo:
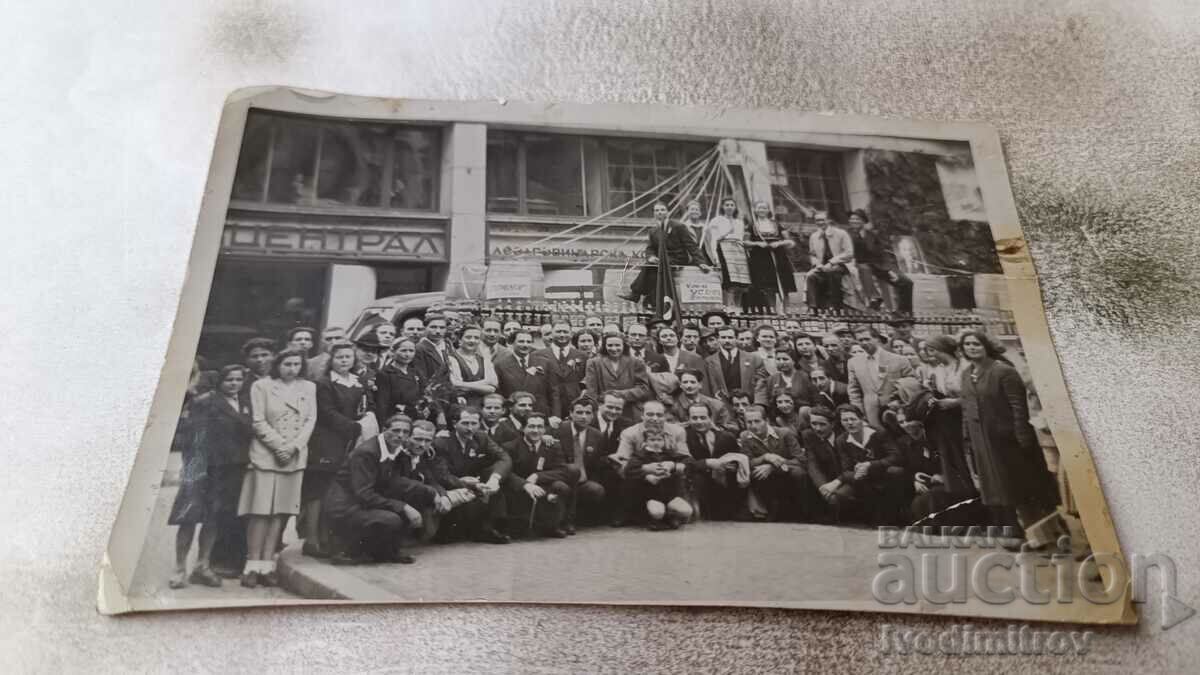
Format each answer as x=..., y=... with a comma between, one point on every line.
x=344, y=414
x=284, y=413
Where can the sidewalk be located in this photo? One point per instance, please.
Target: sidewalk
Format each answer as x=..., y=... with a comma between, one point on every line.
x=701, y=563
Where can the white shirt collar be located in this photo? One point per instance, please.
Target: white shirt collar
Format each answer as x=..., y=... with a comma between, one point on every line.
x=386, y=455
x=867, y=433
x=348, y=380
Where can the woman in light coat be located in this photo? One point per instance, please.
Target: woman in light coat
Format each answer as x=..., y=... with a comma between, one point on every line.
x=284, y=412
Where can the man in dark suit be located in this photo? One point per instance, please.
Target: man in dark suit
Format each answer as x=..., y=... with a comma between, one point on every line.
x=834, y=360
x=432, y=357
x=676, y=359
x=681, y=250
x=610, y=424
x=476, y=462
x=827, y=392
x=582, y=447
x=824, y=466
x=719, y=460
x=510, y=427
x=540, y=484
x=492, y=413
x=731, y=368
x=567, y=364
x=524, y=370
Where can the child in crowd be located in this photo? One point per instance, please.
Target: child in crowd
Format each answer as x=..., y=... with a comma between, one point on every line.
x=657, y=476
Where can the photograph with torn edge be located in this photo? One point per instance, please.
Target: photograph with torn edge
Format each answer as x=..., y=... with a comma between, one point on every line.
x=493, y=351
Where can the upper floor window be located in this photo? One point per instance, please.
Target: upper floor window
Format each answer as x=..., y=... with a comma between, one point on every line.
x=809, y=179
x=313, y=162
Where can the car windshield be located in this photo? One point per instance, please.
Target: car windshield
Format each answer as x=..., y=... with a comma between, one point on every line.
x=369, y=317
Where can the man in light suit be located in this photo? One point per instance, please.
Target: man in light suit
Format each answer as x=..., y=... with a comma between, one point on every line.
x=731, y=368
x=830, y=250
x=873, y=375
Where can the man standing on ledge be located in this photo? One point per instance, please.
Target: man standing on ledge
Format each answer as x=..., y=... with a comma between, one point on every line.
x=830, y=250
x=670, y=245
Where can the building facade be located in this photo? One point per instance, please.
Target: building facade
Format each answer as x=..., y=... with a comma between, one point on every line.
x=327, y=215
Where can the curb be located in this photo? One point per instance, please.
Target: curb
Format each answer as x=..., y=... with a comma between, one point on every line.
x=318, y=580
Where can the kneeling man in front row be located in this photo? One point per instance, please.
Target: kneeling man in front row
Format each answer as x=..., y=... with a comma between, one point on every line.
x=778, y=468
x=541, y=480
x=367, y=523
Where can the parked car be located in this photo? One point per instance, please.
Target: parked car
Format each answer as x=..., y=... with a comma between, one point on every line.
x=559, y=285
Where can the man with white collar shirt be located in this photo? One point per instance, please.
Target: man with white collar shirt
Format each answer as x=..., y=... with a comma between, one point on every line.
x=366, y=521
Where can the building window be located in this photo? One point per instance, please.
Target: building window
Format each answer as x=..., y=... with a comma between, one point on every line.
x=806, y=180
x=636, y=166
x=315, y=163
x=535, y=174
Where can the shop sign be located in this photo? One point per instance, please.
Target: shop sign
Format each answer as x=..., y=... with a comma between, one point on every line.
x=333, y=241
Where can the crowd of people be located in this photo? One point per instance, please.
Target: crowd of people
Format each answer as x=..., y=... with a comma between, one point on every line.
x=447, y=428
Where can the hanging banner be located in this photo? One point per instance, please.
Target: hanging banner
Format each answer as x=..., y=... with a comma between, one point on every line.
x=736, y=262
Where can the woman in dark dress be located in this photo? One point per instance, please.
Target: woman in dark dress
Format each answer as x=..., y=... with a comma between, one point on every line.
x=343, y=415
x=215, y=454
x=1007, y=458
x=767, y=245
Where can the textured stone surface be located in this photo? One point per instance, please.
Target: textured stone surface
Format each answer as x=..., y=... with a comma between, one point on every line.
x=109, y=115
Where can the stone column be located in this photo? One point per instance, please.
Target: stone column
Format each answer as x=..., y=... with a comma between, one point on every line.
x=854, y=171
x=464, y=199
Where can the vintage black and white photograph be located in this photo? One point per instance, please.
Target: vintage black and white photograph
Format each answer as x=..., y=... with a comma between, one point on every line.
x=506, y=352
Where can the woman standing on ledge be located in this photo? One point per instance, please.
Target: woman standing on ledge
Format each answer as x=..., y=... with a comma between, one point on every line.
x=771, y=271
x=284, y=409
x=726, y=226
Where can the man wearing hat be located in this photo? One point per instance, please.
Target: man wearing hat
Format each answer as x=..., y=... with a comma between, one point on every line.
x=368, y=351
x=902, y=329
x=714, y=320
x=873, y=250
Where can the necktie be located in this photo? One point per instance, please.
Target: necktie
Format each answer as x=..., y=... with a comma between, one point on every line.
x=828, y=254
x=524, y=363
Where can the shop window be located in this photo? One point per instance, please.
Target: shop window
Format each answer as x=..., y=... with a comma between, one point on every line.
x=635, y=167
x=316, y=163
x=252, y=299
x=806, y=180
x=535, y=174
